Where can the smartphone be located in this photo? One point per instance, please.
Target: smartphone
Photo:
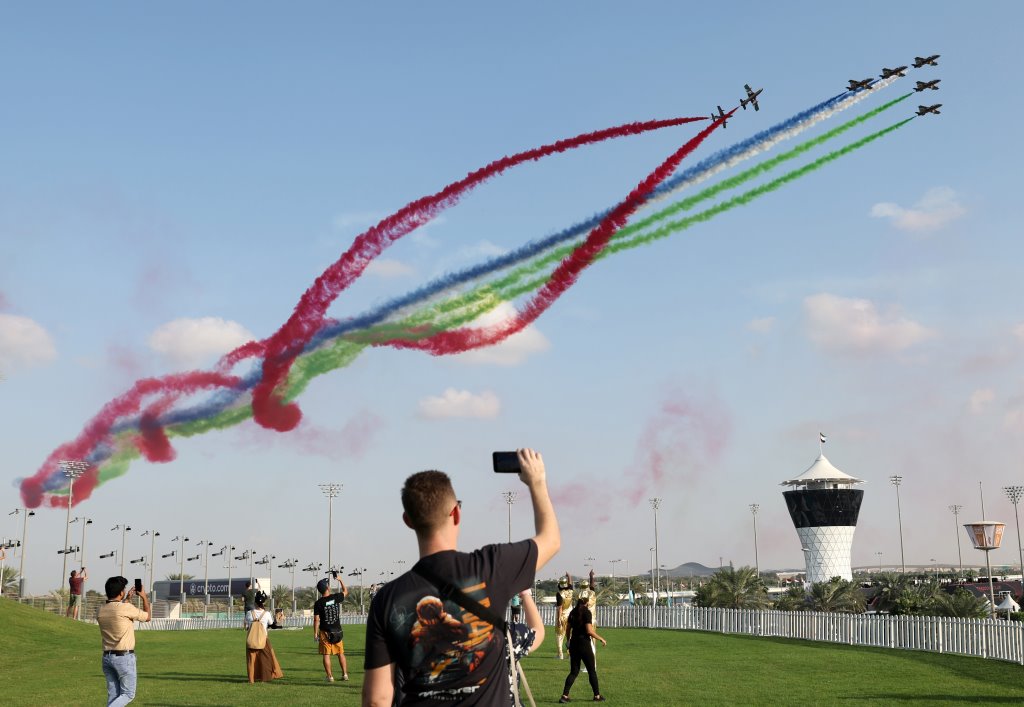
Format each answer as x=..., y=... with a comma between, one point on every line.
x=138, y=585
x=506, y=462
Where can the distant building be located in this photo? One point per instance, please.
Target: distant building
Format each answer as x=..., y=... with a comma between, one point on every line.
x=824, y=507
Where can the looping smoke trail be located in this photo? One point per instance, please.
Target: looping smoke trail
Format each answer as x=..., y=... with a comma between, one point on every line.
x=281, y=349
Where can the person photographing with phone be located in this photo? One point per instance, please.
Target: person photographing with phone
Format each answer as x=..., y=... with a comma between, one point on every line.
x=423, y=646
x=116, y=620
x=327, y=631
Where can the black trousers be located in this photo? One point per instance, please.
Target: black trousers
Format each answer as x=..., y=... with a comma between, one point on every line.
x=581, y=653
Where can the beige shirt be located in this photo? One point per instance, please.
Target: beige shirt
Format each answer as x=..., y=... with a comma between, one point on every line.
x=117, y=624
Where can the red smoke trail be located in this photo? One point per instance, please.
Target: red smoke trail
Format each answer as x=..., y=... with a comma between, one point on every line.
x=281, y=349
x=565, y=275
x=153, y=443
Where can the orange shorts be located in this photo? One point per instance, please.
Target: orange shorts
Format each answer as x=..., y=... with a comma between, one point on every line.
x=332, y=648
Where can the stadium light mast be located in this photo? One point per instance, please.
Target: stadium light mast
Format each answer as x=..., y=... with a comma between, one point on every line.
x=181, y=572
x=896, y=480
x=331, y=490
x=510, y=498
x=656, y=504
x=206, y=576
x=1015, y=493
x=153, y=535
x=290, y=566
x=753, y=512
x=86, y=522
x=24, y=536
x=124, y=528
x=268, y=560
x=73, y=469
x=955, y=510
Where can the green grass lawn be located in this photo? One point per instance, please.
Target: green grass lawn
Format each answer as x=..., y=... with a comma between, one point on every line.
x=48, y=660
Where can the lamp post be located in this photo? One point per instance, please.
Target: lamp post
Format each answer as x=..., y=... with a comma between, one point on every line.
x=879, y=554
x=955, y=510
x=153, y=535
x=290, y=566
x=331, y=490
x=986, y=535
x=206, y=576
x=86, y=522
x=613, y=563
x=896, y=480
x=24, y=536
x=654, y=595
x=181, y=571
x=268, y=560
x=71, y=468
x=124, y=528
x=314, y=568
x=358, y=571
x=656, y=504
x=510, y=498
x=1015, y=493
x=226, y=551
x=753, y=512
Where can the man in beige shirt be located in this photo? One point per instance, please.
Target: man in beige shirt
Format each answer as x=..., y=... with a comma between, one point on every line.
x=117, y=620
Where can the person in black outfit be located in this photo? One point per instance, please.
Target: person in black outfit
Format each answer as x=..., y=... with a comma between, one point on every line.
x=580, y=631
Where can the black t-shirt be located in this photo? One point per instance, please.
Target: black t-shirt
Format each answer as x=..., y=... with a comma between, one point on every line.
x=328, y=608
x=445, y=655
x=578, y=620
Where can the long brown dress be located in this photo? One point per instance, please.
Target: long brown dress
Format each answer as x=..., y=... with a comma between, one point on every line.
x=261, y=664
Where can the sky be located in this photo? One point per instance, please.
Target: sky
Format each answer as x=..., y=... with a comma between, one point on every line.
x=175, y=178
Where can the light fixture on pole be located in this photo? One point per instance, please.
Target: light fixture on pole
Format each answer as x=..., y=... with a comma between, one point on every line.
x=358, y=571
x=314, y=568
x=24, y=535
x=206, y=576
x=181, y=572
x=124, y=528
x=613, y=563
x=1015, y=493
x=331, y=490
x=986, y=535
x=753, y=512
x=290, y=566
x=268, y=560
x=955, y=510
x=510, y=498
x=226, y=552
x=656, y=504
x=878, y=553
x=896, y=480
x=73, y=469
x=153, y=535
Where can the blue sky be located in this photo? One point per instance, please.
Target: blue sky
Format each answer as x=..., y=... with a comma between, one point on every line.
x=174, y=179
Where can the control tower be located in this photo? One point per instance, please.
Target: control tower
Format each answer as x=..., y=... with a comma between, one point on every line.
x=824, y=507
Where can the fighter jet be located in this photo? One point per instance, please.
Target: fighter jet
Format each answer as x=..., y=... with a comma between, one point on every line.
x=858, y=85
x=923, y=85
x=751, y=97
x=925, y=110
x=888, y=73
x=920, y=61
x=720, y=116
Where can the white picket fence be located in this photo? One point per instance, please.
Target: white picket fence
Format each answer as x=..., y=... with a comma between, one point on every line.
x=981, y=638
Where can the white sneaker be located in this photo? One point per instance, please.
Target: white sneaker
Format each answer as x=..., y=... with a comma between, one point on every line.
x=329, y=678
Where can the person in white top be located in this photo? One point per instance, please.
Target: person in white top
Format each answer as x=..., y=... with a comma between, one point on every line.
x=261, y=663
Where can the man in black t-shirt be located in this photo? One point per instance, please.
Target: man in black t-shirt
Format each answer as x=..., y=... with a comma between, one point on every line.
x=327, y=625
x=441, y=653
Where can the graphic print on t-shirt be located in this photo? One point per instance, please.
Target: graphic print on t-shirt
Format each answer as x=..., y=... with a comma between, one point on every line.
x=446, y=642
x=331, y=613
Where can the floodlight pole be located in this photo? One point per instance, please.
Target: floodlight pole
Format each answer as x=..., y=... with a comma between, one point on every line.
x=290, y=566
x=152, y=562
x=955, y=510
x=331, y=490
x=206, y=577
x=655, y=504
x=124, y=528
x=613, y=562
x=86, y=522
x=753, y=512
x=1015, y=493
x=21, y=564
x=896, y=480
x=181, y=572
x=510, y=498
x=71, y=468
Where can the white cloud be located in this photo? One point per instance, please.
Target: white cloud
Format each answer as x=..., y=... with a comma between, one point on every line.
x=193, y=342
x=460, y=403
x=357, y=219
x=855, y=326
x=938, y=207
x=387, y=269
x=763, y=325
x=513, y=350
x=23, y=342
x=980, y=400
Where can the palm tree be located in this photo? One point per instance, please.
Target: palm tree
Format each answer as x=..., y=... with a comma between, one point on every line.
x=960, y=604
x=795, y=599
x=9, y=581
x=733, y=588
x=282, y=597
x=836, y=596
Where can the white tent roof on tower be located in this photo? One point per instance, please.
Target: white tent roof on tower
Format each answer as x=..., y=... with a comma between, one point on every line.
x=822, y=471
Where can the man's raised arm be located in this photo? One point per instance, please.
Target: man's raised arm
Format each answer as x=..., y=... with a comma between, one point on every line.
x=548, y=537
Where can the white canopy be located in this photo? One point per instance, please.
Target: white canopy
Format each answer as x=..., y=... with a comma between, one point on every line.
x=1008, y=604
x=822, y=472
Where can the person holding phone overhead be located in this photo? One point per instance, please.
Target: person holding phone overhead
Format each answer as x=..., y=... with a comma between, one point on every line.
x=116, y=620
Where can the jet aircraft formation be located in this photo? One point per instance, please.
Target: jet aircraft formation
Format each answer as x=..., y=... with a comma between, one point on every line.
x=919, y=62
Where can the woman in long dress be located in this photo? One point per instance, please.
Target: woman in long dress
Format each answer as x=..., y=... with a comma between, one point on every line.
x=261, y=663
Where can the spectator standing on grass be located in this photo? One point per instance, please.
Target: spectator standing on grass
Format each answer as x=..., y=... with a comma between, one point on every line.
x=327, y=630
x=430, y=646
x=261, y=663
x=75, y=582
x=116, y=620
x=248, y=598
x=581, y=635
